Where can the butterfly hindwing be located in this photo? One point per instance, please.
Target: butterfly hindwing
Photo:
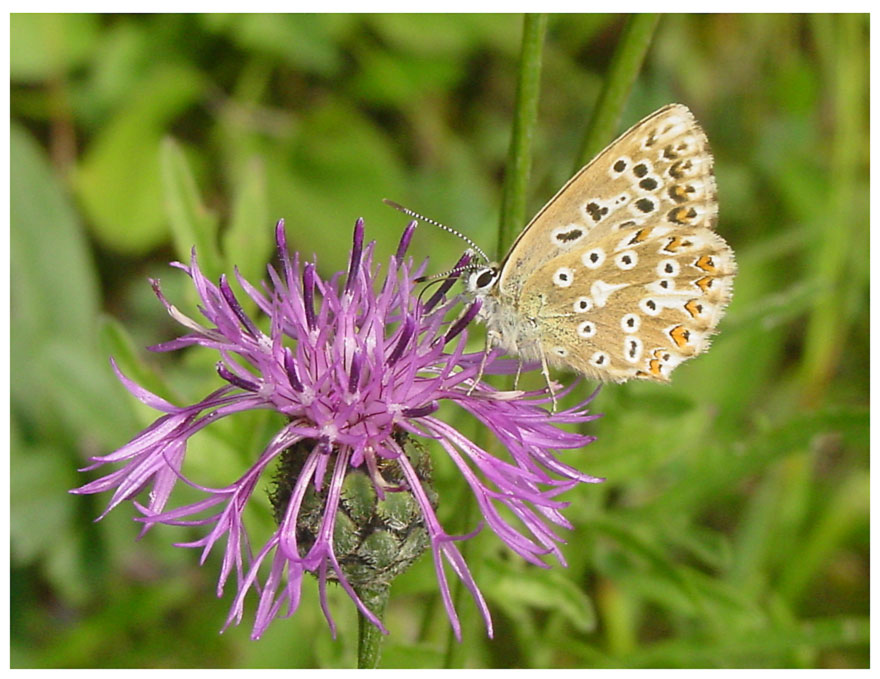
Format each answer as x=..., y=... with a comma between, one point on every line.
x=621, y=275
x=608, y=316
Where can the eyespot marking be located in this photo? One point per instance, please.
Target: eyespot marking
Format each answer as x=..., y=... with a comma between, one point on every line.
x=645, y=205
x=587, y=329
x=593, y=259
x=632, y=349
x=596, y=211
x=670, y=153
x=583, y=304
x=630, y=322
x=599, y=359
x=563, y=277
x=649, y=306
x=626, y=260
x=567, y=235
x=668, y=267
x=627, y=224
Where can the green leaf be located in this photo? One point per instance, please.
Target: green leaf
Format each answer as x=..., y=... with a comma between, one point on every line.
x=86, y=394
x=248, y=242
x=306, y=41
x=753, y=648
x=192, y=224
x=408, y=656
x=41, y=526
x=54, y=289
x=518, y=589
x=42, y=46
x=116, y=342
x=54, y=285
x=118, y=180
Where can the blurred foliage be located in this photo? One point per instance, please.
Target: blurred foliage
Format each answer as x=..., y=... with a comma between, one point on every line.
x=733, y=528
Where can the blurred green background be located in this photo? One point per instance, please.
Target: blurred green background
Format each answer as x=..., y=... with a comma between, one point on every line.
x=733, y=528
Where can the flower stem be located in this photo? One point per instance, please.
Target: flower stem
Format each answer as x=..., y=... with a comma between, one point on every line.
x=519, y=157
x=369, y=636
x=622, y=73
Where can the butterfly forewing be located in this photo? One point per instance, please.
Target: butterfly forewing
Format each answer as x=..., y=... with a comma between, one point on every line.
x=621, y=274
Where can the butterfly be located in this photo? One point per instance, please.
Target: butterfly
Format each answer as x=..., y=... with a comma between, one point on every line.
x=621, y=275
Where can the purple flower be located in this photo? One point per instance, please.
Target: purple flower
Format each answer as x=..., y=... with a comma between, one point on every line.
x=357, y=366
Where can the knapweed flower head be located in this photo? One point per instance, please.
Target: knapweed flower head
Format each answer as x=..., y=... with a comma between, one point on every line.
x=357, y=366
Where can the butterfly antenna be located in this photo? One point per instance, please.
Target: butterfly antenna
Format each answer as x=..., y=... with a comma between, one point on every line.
x=416, y=215
x=446, y=274
x=426, y=288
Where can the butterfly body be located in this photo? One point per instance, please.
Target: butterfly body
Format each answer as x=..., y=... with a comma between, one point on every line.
x=621, y=275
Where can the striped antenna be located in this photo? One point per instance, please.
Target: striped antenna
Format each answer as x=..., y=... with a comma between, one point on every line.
x=416, y=215
x=447, y=274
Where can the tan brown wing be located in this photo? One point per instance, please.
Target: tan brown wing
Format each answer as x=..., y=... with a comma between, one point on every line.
x=659, y=170
x=634, y=303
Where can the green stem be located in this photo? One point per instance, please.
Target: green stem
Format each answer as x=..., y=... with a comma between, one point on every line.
x=625, y=66
x=369, y=636
x=519, y=157
x=843, y=56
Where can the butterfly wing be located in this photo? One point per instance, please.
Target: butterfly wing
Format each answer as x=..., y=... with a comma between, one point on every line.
x=645, y=305
x=609, y=191
x=621, y=272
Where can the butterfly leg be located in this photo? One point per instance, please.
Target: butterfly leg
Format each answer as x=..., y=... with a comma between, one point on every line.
x=519, y=365
x=545, y=371
x=491, y=342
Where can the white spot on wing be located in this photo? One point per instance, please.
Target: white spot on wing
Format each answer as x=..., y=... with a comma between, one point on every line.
x=582, y=304
x=630, y=322
x=599, y=359
x=600, y=290
x=626, y=260
x=593, y=259
x=587, y=329
x=632, y=349
x=563, y=277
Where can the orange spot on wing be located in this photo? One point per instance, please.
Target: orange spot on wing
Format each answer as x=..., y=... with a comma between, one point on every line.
x=694, y=308
x=680, y=336
x=674, y=244
x=679, y=193
x=706, y=263
x=682, y=215
x=704, y=283
x=641, y=235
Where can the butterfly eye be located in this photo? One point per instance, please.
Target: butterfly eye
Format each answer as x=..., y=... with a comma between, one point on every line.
x=484, y=279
